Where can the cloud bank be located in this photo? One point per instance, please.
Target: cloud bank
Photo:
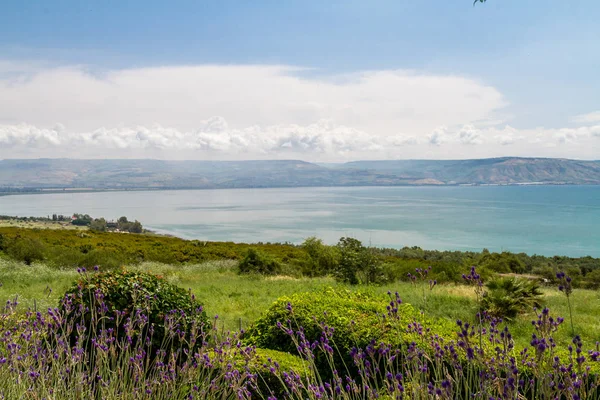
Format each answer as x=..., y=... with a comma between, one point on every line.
x=253, y=111
x=321, y=141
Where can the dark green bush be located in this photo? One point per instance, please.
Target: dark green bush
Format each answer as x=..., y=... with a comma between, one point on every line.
x=166, y=306
x=27, y=250
x=257, y=262
x=502, y=263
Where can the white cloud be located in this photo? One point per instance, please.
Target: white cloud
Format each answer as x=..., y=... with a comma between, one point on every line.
x=382, y=102
x=320, y=141
x=587, y=118
x=438, y=136
x=252, y=111
x=468, y=134
x=507, y=136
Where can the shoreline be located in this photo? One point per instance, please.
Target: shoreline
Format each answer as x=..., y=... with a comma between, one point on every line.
x=34, y=191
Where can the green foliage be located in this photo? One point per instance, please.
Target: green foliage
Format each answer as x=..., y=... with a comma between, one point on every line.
x=358, y=264
x=82, y=220
x=257, y=262
x=502, y=263
x=395, y=269
x=127, y=226
x=25, y=249
x=128, y=292
x=99, y=225
x=593, y=279
x=350, y=260
x=354, y=316
x=508, y=297
x=270, y=383
x=321, y=259
x=62, y=248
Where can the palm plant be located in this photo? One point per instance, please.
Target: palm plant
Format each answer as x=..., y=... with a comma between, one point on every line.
x=508, y=297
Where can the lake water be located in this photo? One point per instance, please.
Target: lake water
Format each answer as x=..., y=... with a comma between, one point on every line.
x=545, y=220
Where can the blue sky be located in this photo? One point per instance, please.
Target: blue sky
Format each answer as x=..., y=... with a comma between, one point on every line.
x=541, y=58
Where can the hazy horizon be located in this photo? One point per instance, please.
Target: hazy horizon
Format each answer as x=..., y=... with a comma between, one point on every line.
x=298, y=159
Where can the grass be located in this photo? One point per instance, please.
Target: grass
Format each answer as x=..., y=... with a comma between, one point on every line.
x=238, y=300
x=62, y=225
x=35, y=286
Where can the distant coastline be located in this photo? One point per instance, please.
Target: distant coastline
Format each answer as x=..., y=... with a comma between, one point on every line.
x=41, y=191
x=76, y=175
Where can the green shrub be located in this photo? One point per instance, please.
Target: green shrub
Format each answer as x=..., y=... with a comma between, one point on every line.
x=270, y=383
x=592, y=279
x=27, y=250
x=357, y=263
x=321, y=259
x=355, y=318
x=257, y=262
x=166, y=306
x=508, y=297
x=502, y=263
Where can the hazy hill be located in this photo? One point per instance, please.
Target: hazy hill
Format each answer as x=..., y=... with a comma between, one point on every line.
x=137, y=174
x=506, y=170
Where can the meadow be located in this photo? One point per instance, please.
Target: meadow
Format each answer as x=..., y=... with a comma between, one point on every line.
x=238, y=300
x=298, y=329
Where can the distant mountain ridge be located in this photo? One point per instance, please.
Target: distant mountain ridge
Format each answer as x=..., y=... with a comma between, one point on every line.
x=162, y=174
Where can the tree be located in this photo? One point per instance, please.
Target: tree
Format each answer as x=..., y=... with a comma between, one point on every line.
x=135, y=227
x=357, y=262
x=322, y=259
x=81, y=220
x=502, y=262
x=99, y=225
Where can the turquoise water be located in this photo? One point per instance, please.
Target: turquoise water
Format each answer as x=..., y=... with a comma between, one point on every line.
x=545, y=220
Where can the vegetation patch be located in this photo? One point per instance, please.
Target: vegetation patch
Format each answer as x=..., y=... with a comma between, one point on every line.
x=122, y=297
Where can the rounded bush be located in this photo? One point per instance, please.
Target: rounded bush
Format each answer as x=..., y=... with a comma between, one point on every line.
x=353, y=316
x=257, y=262
x=354, y=319
x=134, y=305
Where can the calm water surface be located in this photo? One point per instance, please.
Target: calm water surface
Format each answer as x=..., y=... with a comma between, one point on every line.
x=545, y=220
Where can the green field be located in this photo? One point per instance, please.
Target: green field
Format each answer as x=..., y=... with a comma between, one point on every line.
x=239, y=300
